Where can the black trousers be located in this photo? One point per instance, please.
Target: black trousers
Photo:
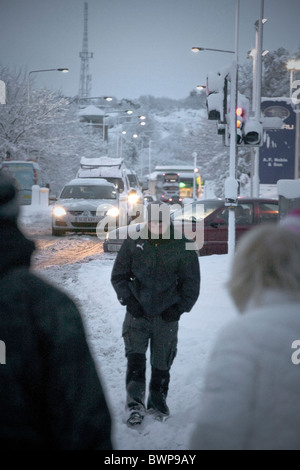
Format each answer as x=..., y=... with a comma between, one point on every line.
x=162, y=338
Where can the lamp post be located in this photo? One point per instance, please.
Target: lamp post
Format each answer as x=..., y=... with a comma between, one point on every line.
x=231, y=184
x=294, y=66
x=194, y=155
x=63, y=70
x=256, y=97
x=124, y=132
x=136, y=136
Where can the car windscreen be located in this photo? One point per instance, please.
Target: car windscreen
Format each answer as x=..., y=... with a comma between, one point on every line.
x=132, y=181
x=88, y=192
x=118, y=182
x=196, y=211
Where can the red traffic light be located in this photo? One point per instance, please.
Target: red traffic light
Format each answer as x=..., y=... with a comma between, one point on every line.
x=240, y=112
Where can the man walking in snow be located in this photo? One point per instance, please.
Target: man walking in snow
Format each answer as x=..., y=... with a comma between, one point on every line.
x=157, y=278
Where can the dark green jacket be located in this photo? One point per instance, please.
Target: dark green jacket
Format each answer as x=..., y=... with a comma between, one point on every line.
x=157, y=273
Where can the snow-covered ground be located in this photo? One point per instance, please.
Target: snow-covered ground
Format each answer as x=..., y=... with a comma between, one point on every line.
x=89, y=285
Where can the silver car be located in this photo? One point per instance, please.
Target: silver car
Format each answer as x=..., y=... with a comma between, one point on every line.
x=86, y=205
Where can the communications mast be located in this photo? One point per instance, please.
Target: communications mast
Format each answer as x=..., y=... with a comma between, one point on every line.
x=85, y=82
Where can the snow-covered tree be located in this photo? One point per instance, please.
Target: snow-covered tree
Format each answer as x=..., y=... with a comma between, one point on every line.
x=276, y=76
x=20, y=120
x=44, y=127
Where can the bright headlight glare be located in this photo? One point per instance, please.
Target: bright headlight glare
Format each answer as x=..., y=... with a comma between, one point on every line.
x=133, y=198
x=59, y=211
x=113, y=212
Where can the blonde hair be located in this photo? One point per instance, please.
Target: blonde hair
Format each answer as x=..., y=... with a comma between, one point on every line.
x=268, y=257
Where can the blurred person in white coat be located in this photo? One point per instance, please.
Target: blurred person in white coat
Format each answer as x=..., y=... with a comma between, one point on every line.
x=251, y=393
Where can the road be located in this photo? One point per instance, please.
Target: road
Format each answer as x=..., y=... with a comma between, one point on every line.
x=71, y=249
x=59, y=252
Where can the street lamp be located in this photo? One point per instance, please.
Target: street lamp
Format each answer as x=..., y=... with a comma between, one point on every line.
x=63, y=70
x=198, y=49
x=150, y=141
x=256, y=91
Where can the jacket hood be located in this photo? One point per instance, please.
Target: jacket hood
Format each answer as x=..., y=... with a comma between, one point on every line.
x=15, y=248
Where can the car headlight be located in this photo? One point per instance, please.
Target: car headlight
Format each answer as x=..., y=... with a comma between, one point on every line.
x=133, y=198
x=59, y=211
x=113, y=212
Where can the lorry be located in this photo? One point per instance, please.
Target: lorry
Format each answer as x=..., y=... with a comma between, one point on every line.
x=181, y=175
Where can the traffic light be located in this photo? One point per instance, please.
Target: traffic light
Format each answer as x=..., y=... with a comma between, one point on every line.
x=215, y=96
x=240, y=120
x=249, y=131
x=253, y=132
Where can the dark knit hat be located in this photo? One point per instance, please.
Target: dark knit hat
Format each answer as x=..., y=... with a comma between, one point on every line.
x=158, y=212
x=9, y=207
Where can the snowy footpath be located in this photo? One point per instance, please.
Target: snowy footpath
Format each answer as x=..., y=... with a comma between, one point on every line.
x=89, y=285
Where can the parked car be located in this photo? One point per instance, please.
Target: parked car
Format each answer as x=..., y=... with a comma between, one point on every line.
x=83, y=203
x=210, y=216
x=214, y=215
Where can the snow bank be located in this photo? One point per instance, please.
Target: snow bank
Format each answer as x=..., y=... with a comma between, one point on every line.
x=36, y=219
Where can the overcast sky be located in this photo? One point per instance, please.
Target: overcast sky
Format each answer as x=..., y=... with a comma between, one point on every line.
x=140, y=47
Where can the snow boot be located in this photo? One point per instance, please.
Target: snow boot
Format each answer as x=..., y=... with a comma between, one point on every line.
x=158, y=392
x=136, y=416
x=135, y=387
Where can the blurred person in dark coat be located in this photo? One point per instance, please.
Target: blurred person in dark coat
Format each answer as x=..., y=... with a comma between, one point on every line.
x=51, y=397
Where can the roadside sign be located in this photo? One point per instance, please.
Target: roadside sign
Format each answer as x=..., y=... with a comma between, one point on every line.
x=277, y=154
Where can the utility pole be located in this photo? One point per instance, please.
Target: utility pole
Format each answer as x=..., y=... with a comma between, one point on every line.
x=231, y=185
x=194, y=154
x=257, y=94
x=85, y=81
